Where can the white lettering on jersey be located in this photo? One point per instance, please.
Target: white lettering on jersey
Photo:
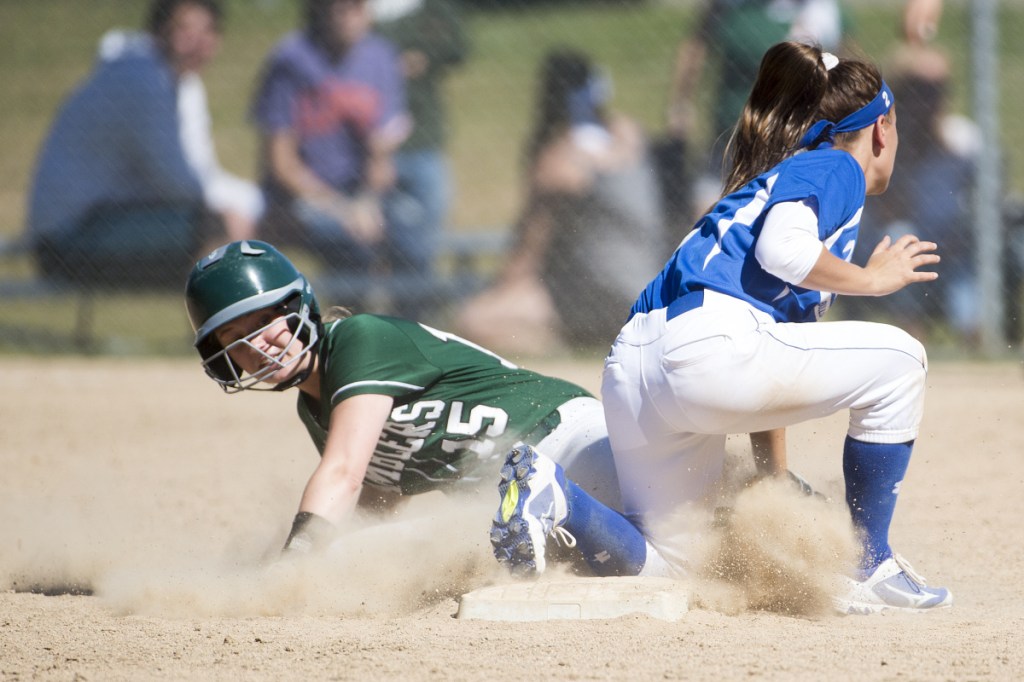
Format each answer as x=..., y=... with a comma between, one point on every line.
x=848, y=225
x=379, y=476
x=425, y=409
x=409, y=426
x=483, y=420
x=495, y=418
x=400, y=439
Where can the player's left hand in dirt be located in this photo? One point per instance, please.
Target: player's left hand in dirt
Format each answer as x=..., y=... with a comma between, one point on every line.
x=309, y=533
x=804, y=487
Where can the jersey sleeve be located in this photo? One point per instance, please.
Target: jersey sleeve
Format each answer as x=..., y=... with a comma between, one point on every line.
x=832, y=183
x=788, y=246
x=372, y=355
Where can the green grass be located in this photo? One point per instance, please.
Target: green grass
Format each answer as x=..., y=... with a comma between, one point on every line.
x=119, y=324
x=46, y=46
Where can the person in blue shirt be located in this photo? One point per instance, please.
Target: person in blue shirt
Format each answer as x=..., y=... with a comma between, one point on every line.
x=331, y=111
x=115, y=199
x=718, y=342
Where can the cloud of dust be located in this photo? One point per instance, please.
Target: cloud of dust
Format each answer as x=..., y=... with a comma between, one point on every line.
x=434, y=549
x=777, y=550
x=430, y=552
x=61, y=543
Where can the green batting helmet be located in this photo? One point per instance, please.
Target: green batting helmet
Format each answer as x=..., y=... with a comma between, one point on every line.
x=235, y=280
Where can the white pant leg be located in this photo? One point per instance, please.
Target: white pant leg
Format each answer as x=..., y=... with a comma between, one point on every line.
x=673, y=389
x=662, y=471
x=876, y=371
x=580, y=444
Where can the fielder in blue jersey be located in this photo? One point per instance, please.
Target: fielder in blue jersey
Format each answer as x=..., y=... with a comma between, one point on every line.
x=718, y=342
x=721, y=254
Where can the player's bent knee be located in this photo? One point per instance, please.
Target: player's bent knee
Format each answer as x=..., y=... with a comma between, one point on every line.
x=902, y=342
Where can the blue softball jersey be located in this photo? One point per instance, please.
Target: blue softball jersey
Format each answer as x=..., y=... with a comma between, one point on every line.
x=719, y=253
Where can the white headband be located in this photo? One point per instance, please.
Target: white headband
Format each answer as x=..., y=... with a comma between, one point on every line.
x=829, y=60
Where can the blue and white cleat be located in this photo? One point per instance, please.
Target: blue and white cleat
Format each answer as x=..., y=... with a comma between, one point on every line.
x=893, y=586
x=533, y=506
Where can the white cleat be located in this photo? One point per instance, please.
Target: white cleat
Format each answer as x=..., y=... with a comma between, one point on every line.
x=893, y=586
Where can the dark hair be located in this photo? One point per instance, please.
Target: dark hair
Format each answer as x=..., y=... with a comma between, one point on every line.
x=161, y=11
x=793, y=91
x=317, y=17
x=563, y=71
x=317, y=21
x=922, y=103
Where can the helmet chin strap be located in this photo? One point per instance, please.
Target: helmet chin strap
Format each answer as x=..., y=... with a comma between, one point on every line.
x=298, y=378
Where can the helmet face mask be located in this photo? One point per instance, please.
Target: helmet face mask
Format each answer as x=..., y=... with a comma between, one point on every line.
x=237, y=379
x=239, y=279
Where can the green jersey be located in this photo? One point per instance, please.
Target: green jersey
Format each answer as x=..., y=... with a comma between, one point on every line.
x=458, y=407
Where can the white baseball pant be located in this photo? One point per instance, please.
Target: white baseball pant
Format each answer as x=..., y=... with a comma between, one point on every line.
x=674, y=388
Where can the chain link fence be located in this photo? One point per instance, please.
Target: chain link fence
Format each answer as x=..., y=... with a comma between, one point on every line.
x=670, y=71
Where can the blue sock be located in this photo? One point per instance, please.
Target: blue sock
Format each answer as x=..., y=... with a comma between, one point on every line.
x=611, y=545
x=873, y=473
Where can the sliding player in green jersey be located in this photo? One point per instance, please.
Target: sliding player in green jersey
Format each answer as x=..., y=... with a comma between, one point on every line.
x=398, y=408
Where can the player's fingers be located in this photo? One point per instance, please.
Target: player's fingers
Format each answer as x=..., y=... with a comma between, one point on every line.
x=906, y=241
x=921, y=247
x=882, y=245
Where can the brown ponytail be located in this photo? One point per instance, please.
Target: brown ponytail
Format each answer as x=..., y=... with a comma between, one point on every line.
x=793, y=91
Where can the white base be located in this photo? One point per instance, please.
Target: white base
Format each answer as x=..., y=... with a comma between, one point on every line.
x=577, y=599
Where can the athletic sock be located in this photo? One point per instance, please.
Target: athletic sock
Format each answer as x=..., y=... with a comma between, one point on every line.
x=873, y=473
x=611, y=545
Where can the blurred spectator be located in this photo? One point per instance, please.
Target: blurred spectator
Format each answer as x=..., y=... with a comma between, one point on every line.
x=930, y=197
x=237, y=201
x=591, y=230
x=432, y=40
x=1013, y=269
x=331, y=109
x=921, y=21
x=721, y=56
x=118, y=194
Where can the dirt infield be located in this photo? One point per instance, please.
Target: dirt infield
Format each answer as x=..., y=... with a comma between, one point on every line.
x=140, y=484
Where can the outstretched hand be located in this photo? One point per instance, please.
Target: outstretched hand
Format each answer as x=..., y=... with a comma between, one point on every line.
x=894, y=265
